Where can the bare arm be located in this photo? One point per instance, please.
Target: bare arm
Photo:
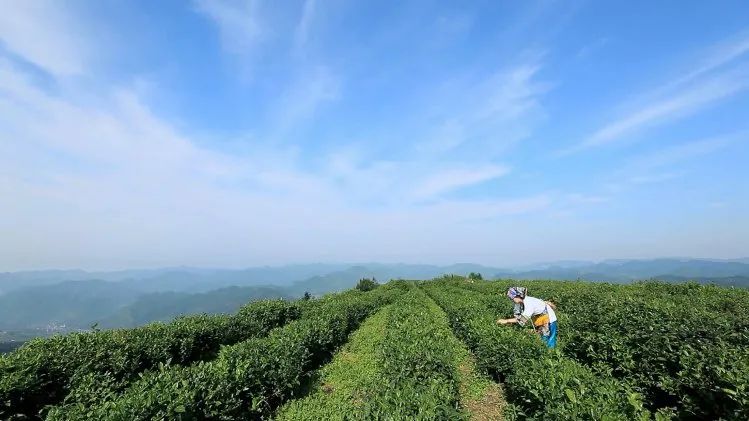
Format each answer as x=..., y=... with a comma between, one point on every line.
x=507, y=321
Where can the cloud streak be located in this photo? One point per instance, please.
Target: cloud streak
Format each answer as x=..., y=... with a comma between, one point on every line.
x=313, y=87
x=721, y=55
x=303, y=28
x=686, y=150
x=238, y=23
x=678, y=106
x=696, y=90
x=451, y=180
x=667, y=163
x=45, y=34
x=490, y=114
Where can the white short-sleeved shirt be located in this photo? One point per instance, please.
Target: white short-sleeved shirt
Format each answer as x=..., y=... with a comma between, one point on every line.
x=532, y=306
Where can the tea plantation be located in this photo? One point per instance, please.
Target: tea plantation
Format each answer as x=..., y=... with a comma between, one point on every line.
x=419, y=350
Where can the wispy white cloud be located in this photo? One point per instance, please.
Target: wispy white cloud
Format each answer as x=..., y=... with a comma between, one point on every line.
x=720, y=55
x=313, y=87
x=666, y=163
x=685, y=151
x=446, y=181
x=248, y=30
x=510, y=94
x=449, y=28
x=684, y=103
x=393, y=184
x=489, y=114
x=585, y=199
x=720, y=75
x=589, y=49
x=654, y=178
x=483, y=116
x=238, y=22
x=303, y=28
x=475, y=210
x=45, y=33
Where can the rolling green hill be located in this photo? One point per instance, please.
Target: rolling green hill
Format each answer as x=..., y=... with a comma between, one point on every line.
x=80, y=304
x=165, y=306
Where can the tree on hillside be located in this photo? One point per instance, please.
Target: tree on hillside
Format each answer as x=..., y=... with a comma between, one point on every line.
x=367, y=284
x=475, y=276
x=307, y=296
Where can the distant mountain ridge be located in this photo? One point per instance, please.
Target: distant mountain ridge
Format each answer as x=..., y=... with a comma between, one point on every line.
x=701, y=270
x=118, y=299
x=71, y=303
x=165, y=306
x=80, y=304
x=348, y=277
x=126, y=298
x=184, y=279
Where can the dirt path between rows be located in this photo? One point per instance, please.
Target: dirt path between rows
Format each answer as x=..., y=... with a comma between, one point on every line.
x=485, y=404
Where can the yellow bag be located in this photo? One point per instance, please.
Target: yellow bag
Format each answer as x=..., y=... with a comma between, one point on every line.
x=541, y=320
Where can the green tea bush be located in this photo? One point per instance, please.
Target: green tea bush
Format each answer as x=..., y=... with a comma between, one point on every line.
x=540, y=383
x=246, y=380
x=419, y=364
x=367, y=284
x=405, y=368
x=682, y=346
x=43, y=371
x=342, y=388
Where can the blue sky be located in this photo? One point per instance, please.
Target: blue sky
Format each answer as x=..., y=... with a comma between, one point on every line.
x=238, y=133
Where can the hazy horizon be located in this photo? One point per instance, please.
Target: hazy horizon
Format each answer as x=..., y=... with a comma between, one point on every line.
x=217, y=133
x=509, y=266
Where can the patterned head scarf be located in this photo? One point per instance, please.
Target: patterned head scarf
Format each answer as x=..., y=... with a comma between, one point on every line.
x=516, y=292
